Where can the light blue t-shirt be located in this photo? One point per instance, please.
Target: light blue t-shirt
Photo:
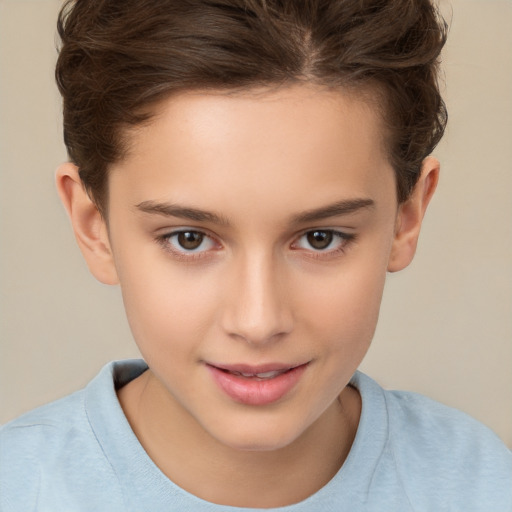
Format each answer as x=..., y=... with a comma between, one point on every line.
x=409, y=454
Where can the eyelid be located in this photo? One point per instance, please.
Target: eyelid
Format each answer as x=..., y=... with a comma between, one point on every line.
x=184, y=255
x=345, y=240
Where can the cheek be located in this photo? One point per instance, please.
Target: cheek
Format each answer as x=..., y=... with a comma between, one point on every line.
x=345, y=306
x=166, y=308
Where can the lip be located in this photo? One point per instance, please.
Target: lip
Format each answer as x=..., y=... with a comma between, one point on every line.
x=253, y=390
x=254, y=369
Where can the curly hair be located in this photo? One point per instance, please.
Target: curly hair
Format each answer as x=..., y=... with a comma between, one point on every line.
x=118, y=58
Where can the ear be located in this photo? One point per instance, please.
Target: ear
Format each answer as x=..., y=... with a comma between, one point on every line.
x=410, y=216
x=90, y=228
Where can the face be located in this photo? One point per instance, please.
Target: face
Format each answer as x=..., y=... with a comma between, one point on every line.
x=251, y=234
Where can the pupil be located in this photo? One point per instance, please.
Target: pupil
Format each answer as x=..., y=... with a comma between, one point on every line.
x=319, y=239
x=190, y=239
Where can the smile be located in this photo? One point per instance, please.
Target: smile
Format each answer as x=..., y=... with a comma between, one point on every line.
x=261, y=376
x=256, y=385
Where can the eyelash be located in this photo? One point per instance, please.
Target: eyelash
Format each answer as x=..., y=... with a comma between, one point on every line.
x=345, y=239
x=184, y=255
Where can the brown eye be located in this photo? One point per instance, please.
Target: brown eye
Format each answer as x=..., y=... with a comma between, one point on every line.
x=190, y=240
x=189, y=244
x=323, y=242
x=319, y=239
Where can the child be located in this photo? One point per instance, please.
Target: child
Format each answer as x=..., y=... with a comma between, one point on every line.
x=248, y=172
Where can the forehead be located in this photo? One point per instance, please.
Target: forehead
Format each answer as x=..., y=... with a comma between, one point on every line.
x=261, y=143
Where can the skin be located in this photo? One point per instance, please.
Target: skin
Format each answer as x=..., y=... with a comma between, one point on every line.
x=255, y=291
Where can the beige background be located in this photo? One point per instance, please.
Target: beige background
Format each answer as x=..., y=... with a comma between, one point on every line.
x=446, y=322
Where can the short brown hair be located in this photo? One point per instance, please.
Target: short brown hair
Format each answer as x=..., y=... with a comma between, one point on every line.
x=117, y=58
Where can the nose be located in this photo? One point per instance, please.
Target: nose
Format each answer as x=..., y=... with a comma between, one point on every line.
x=257, y=309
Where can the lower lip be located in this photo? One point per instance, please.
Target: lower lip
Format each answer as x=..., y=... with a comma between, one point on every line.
x=252, y=391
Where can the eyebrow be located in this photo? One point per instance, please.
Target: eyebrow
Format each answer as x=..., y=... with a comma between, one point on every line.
x=183, y=212
x=344, y=207
x=339, y=208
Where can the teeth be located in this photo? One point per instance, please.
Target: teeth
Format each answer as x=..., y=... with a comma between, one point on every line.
x=264, y=375
x=269, y=375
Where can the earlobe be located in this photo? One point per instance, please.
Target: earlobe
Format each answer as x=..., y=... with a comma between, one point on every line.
x=88, y=224
x=410, y=216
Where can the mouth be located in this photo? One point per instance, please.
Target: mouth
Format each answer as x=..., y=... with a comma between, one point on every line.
x=260, y=376
x=267, y=371
x=257, y=385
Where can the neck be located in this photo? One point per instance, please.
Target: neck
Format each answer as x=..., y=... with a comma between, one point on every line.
x=212, y=471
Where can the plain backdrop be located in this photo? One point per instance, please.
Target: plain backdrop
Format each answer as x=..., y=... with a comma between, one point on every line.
x=446, y=322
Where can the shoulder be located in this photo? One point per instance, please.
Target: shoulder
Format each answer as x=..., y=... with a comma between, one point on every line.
x=35, y=445
x=431, y=456
x=440, y=451
x=52, y=455
x=432, y=424
x=57, y=423
x=43, y=427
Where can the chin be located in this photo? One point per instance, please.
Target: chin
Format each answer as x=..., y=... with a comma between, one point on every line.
x=260, y=445
x=257, y=445
x=257, y=438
